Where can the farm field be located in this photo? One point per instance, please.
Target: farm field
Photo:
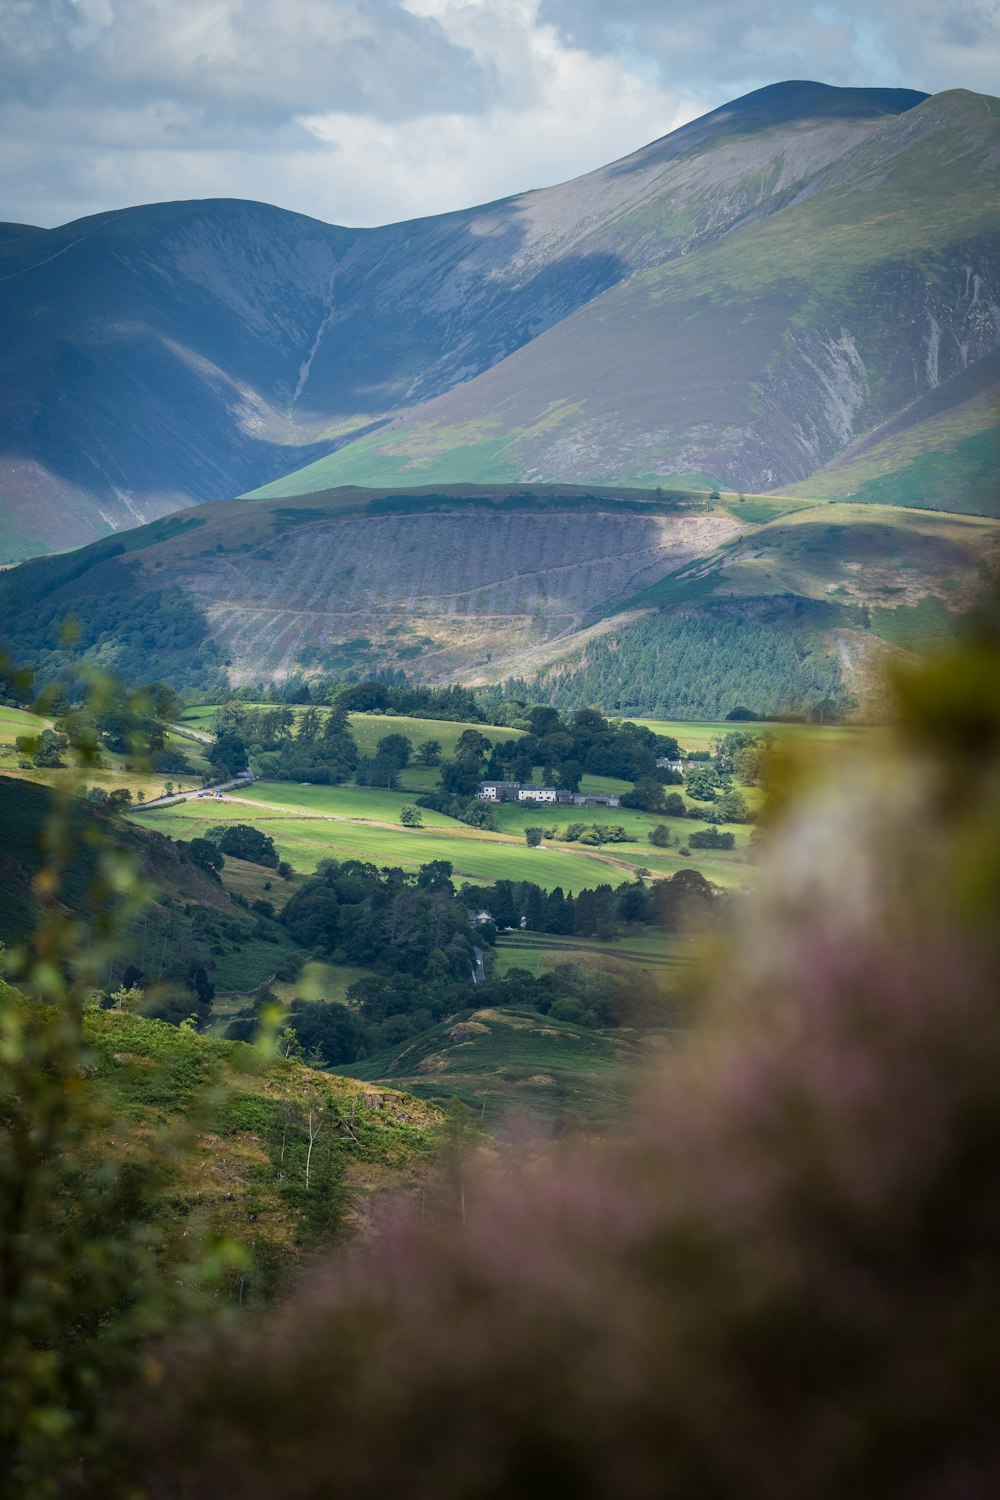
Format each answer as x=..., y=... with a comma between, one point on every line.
x=370, y=804
x=309, y=824
x=694, y=734
x=660, y=956
x=368, y=729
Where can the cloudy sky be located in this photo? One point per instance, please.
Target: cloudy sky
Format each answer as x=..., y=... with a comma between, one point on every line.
x=367, y=111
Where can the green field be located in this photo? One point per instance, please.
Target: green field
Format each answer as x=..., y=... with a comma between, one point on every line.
x=111, y=774
x=309, y=824
x=699, y=734
x=370, y=804
x=368, y=729
x=539, y=952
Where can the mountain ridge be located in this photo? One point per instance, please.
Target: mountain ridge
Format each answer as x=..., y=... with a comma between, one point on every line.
x=876, y=261
x=247, y=339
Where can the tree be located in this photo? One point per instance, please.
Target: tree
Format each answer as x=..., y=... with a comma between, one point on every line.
x=411, y=817
x=429, y=753
x=647, y=794
x=701, y=783
x=660, y=836
x=732, y=807
x=394, y=750
x=244, y=842
x=674, y=805
x=711, y=838
x=472, y=743
x=228, y=755
x=461, y=777
x=205, y=854
x=363, y=697
x=533, y=837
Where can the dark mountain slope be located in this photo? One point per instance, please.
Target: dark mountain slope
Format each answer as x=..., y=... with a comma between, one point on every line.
x=183, y=351
x=757, y=358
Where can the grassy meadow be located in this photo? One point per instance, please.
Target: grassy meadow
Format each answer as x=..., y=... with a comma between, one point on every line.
x=659, y=956
x=116, y=770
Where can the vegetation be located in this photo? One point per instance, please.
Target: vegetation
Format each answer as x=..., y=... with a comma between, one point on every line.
x=701, y=664
x=834, y=1125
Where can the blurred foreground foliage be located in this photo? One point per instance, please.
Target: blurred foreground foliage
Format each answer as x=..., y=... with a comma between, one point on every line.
x=90, y=1275
x=781, y=1281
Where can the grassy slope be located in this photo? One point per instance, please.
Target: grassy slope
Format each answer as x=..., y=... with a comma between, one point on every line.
x=239, y=958
x=504, y=1062
x=148, y=1074
x=115, y=771
x=539, y=952
x=842, y=553
x=942, y=453
x=700, y=336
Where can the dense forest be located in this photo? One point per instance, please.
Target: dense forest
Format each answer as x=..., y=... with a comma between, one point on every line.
x=701, y=665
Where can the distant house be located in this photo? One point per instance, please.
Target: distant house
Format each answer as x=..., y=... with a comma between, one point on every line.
x=498, y=791
x=666, y=764
x=517, y=791
x=478, y=918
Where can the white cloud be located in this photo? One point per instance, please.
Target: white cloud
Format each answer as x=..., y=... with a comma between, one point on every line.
x=364, y=111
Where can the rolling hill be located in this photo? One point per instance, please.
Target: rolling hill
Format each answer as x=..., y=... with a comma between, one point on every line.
x=743, y=300
x=660, y=602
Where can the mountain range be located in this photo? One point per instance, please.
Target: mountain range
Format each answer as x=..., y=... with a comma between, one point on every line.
x=799, y=292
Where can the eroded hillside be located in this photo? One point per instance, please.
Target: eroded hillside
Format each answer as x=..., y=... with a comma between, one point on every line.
x=439, y=594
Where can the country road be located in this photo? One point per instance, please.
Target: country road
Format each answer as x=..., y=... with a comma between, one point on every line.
x=187, y=796
x=186, y=732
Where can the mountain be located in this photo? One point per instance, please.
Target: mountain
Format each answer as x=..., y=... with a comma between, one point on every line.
x=765, y=350
x=741, y=300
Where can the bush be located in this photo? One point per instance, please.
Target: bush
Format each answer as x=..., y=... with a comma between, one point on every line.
x=711, y=838
x=245, y=842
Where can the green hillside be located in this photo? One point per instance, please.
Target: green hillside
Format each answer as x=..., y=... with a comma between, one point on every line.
x=503, y=1062
x=242, y=1174
x=756, y=360
x=794, y=615
x=656, y=602
x=942, y=453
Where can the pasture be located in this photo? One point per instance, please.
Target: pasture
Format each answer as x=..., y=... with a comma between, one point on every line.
x=701, y=734
x=660, y=956
x=312, y=823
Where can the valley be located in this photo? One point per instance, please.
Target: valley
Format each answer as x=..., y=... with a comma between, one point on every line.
x=499, y=745
x=233, y=928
